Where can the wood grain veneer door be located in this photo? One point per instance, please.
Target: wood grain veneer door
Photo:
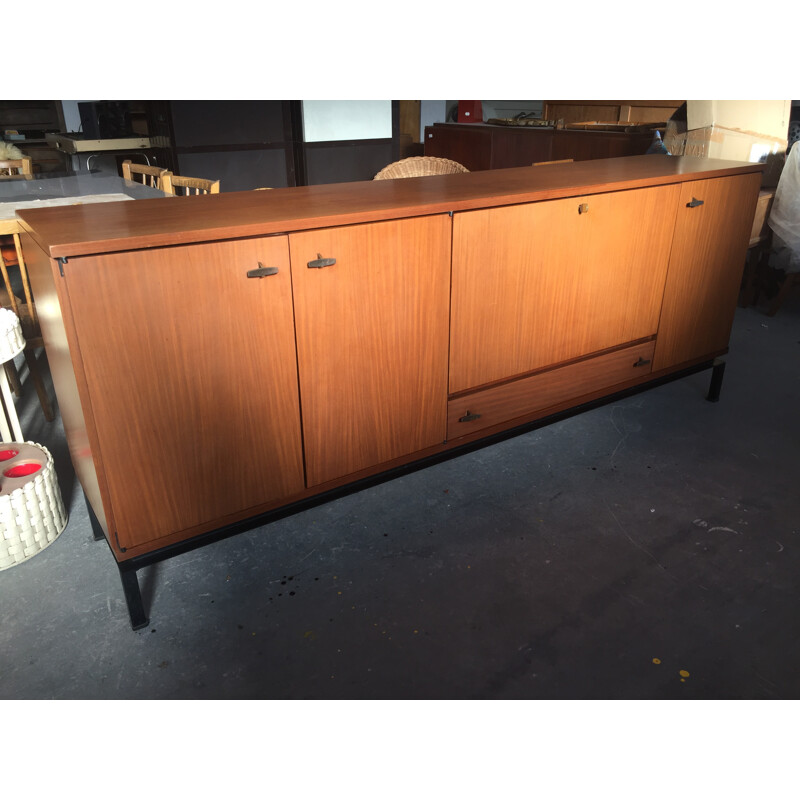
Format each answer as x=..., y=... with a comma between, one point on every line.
x=191, y=370
x=371, y=342
x=712, y=231
x=541, y=283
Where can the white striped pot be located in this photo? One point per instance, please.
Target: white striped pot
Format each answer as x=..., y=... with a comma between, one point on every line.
x=32, y=514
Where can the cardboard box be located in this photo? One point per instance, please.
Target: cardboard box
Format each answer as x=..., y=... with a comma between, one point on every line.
x=735, y=130
x=769, y=118
x=731, y=145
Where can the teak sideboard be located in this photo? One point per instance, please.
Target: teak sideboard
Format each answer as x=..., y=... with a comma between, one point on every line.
x=224, y=360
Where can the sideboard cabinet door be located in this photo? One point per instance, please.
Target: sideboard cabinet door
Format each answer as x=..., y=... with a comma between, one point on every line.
x=539, y=284
x=191, y=371
x=371, y=341
x=712, y=231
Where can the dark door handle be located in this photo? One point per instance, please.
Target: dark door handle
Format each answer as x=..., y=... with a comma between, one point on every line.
x=641, y=362
x=262, y=271
x=695, y=202
x=319, y=262
x=469, y=417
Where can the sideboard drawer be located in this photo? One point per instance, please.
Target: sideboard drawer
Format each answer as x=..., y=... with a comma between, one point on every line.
x=483, y=409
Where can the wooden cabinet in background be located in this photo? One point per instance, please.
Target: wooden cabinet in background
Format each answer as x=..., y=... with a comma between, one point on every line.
x=481, y=146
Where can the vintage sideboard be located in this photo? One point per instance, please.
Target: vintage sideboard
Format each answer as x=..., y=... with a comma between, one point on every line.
x=223, y=360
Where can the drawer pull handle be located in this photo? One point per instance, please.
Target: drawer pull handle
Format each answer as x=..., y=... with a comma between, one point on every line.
x=319, y=262
x=695, y=202
x=583, y=208
x=262, y=271
x=641, y=362
x=469, y=417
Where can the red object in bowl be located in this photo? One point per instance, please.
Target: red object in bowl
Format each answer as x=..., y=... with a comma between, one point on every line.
x=22, y=470
x=6, y=454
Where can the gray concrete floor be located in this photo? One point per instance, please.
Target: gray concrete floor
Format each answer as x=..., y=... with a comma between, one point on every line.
x=595, y=558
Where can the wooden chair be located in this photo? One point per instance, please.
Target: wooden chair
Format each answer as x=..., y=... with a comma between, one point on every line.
x=417, y=166
x=17, y=167
x=12, y=168
x=756, y=265
x=26, y=311
x=171, y=184
x=557, y=161
x=142, y=173
x=791, y=280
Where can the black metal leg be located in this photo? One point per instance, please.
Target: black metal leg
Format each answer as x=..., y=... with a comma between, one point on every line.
x=97, y=529
x=133, y=597
x=717, y=372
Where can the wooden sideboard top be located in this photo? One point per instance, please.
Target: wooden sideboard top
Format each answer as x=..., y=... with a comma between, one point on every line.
x=110, y=227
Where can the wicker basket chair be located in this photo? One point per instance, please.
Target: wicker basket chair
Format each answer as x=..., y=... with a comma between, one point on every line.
x=417, y=166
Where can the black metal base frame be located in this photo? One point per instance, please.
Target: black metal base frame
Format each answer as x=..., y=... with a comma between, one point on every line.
x=128, y=569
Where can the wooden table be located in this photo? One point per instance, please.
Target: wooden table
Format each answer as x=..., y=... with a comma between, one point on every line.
x=25, y=192
x=53, y=190
x=314, y=339
x=74, y=146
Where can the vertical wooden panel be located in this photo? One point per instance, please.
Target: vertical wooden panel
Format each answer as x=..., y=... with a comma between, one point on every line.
x=371, y=342
x=541, y=283
x=191, y=372
x=408, y=124
x=69, y=382
x=705, y=271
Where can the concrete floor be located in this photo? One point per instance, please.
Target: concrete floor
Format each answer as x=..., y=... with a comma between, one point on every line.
x=596, y=558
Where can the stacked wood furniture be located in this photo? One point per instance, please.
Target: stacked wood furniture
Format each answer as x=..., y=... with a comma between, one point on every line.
x=315, y=338
x=612, y=111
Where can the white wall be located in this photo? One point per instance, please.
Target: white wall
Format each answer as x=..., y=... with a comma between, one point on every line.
x=764, y=117
x=431, y=111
